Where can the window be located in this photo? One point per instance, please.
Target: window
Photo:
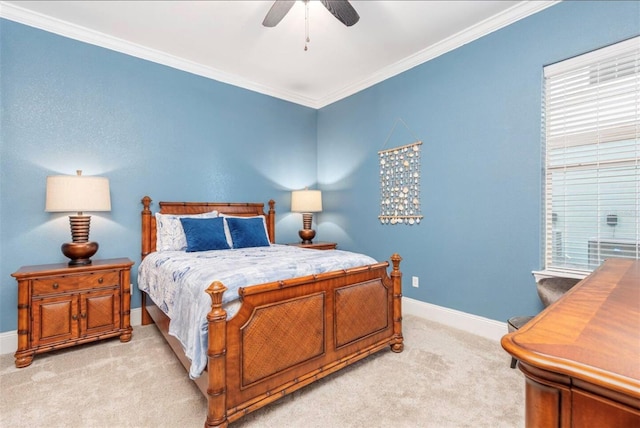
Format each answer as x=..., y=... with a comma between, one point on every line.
x=591, y=121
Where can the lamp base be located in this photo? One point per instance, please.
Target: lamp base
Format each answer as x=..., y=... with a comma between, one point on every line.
x=307, y=235
x=79, y=252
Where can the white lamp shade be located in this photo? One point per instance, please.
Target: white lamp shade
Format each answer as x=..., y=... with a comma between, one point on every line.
x=306, y=201
x=77, y=193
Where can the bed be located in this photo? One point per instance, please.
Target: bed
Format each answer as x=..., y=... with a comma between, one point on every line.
x=283, y=334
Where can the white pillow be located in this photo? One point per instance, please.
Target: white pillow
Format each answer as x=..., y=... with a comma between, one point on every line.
x=227, y=232
x=169, y=232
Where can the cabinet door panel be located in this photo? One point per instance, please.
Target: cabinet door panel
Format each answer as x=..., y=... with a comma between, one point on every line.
x=53, y=320
x=100, y=311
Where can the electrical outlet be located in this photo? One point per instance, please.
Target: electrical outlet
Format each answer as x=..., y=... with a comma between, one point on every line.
x=415, y=281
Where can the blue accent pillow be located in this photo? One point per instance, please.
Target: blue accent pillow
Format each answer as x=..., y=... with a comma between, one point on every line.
x=247, y=232
x=204, y=234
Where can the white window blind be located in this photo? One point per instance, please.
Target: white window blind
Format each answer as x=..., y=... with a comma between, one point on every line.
x=591, y=120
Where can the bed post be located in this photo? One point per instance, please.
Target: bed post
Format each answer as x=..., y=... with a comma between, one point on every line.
x=146, y=249
x=271, y=221
x=146, y=226
x=397, y=344
x=217, y=359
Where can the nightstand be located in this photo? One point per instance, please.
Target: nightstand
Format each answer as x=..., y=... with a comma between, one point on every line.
x=61, y=306
x=317, y=245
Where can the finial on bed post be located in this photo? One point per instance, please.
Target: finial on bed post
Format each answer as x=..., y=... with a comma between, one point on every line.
x=397, y=344
x=146, y=202
x=217, y=364
x=146, y=226
x=271, y=225
x=396, y=259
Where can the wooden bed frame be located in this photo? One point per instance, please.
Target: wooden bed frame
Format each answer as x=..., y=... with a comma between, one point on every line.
x=286, y=334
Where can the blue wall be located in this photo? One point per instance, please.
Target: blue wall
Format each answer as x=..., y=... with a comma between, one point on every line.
x=477, y=111
x=150, y=129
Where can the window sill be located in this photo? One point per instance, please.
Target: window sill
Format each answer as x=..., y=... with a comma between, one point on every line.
x=550, y=273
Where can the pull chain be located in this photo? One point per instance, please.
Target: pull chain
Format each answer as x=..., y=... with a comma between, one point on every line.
x=306, y=24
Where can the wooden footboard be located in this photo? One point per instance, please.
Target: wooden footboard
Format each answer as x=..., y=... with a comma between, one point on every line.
x=288, y=334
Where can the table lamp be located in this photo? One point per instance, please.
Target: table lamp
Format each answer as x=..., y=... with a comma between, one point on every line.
x=306, y=202
x=78, y=193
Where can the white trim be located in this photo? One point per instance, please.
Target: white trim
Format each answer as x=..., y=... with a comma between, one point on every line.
x=9, y=339
x=83, y=34
x=548, y=273
x=8, y=342
x=480, y=326
x=519, y=11
x=589, y=58
x=488, y=26
x=474, y=324
x=136, y=317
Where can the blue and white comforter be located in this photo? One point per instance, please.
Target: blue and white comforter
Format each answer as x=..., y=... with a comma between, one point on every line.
x=176, y=280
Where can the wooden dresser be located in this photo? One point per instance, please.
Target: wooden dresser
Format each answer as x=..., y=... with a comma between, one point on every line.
x=61, y=306
x=581, y=355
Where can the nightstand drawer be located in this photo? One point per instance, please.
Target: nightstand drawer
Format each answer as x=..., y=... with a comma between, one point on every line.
x=61, y=284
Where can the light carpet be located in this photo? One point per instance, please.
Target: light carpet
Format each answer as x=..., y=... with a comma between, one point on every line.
x=444, y=378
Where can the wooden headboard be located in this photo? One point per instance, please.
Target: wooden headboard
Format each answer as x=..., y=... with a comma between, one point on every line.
x=230, y=208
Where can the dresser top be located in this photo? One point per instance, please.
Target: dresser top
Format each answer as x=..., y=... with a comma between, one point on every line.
x=592, y=333
x=64, y=268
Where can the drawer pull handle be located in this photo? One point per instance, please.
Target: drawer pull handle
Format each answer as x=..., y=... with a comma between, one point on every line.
x=83, y=315
x=100, y=280
x=74, y=317
x=55, y=286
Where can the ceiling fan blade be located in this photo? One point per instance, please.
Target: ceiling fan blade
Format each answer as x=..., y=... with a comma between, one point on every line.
x=342, y=10
x=278, y=10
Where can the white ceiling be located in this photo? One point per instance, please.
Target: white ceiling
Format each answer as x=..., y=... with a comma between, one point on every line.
x=225, y=40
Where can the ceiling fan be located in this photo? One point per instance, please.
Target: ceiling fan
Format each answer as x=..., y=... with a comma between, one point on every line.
x=341, y=9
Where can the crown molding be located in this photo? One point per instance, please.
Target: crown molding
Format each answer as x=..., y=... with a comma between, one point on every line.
x=53, y=25
x=63, y=28
x=496, y=22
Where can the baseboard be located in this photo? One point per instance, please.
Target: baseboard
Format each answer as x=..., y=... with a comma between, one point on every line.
x=136, y=317
x=477, y=325
x=480, y=326
x=9, y=339
x=8, y=342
